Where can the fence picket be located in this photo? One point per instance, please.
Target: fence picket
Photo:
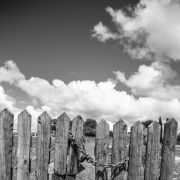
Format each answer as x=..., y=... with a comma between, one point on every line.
x=67, y=156
x=23, y=149
x=43, y=144
x=152, y=152
x=73, y=157
x=136, y=170
x=119, y=150
x=61, y=146
x=6, y=144
x=101, y=149
x=168, y=149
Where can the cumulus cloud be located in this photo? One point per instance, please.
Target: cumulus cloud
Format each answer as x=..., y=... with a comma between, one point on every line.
x=151, y=30
x=102, y=33
x=152, y=81
x=100, y=100
x=7, y=101
x=10, y=72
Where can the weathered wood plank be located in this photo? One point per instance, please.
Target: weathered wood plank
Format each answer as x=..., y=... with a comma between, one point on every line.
x=152, y=152
x=6, y=144
x=43, y=144
x=101, y=149
x=119, y=150
x=23, y=149
x=136, y=170
x=168, y=149
x=61, y=147
x=74, y=155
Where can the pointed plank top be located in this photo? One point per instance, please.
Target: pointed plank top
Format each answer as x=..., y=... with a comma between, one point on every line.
x=172, y=120
x=102, y=129
x=6, y=112
x=45, y=115
x=137, y=123
x=78, y=117
x=63, y=116
x=120, y=121
x=25, y=113
x=102, y=121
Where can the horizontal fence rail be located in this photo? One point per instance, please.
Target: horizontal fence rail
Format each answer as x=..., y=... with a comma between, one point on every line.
x=146, y=153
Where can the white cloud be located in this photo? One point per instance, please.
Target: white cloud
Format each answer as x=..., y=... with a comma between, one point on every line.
x=152, y=81
x=97, y=100
x=152, y=30
x=10, y=72
x=7, y=101
x=102, y=33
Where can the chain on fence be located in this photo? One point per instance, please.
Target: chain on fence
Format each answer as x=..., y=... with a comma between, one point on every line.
x=86, y=156
x=89, y=159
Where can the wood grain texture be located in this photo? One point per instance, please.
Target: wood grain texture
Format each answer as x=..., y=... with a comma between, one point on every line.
x=6, y=144
x=152, y=152
x=74, y=155
x=61, y=146
x=168, y=149
x=119, y=150
x=101, y=149
x=43, y=144
x=136, y=170
x=23, y=149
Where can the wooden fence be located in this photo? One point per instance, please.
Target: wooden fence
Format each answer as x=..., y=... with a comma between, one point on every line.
x=148, y=159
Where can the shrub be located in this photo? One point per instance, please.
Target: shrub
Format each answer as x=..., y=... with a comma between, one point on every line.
x=89, y=127
x=147, y=123
x=88, y=131
x=53, y=124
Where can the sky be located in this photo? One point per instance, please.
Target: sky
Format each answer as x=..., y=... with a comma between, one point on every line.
x=102, y=60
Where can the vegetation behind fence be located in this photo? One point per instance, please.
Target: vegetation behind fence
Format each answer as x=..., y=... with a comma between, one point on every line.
x=150, y=159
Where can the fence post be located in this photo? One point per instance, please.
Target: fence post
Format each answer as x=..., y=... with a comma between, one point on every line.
x=6, y=144
x=152, y=152
x=168, y=149
x=61, y=146
x=136, y=170
x=73, y=157
x=119, y=150
x=43, y=144
x=101, y=149
x=23, y=149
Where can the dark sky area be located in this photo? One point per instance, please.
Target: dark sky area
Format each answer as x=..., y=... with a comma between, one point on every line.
x=52, y=39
